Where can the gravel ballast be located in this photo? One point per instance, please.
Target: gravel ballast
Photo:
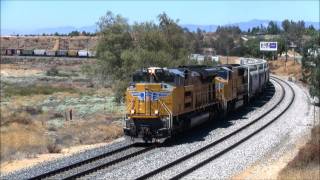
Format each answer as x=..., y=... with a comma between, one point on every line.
x=272, y=142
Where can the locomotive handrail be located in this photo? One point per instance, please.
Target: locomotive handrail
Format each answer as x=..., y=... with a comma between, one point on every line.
x=168, y=111
x=130, y=104
x=125, y=113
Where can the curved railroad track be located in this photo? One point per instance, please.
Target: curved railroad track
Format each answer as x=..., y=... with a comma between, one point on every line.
x=93, y=164
x=108, y=159
x=219, y=154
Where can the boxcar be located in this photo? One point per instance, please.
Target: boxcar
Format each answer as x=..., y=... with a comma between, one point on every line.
x=72, y=53
x=11, y=52
x=83, y=53
x=62, y=53
x=26, y=52
x=39, y=52
x=19, y=52
x=91, y=53
x=3, y=52
x=51, y=53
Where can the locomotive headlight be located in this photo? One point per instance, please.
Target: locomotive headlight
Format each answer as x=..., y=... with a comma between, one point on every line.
x=132, y=111
x=156, y=112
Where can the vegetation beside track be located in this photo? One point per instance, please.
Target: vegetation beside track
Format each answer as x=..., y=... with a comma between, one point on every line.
x=35, y=112
x=306, y=164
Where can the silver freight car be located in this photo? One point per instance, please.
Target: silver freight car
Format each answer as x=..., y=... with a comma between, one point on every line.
x=39, y=52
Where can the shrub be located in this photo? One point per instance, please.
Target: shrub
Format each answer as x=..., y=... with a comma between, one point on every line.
x=54, y=148
x=33, y=110
x=52, y=72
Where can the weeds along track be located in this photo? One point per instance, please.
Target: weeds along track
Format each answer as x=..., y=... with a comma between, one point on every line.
x=95, y=163
x=185, y=171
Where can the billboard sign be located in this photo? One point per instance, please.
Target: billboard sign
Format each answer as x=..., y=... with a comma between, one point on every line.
x=268, y=46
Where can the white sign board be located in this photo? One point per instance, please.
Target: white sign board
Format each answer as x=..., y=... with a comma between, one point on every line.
x=268, y=46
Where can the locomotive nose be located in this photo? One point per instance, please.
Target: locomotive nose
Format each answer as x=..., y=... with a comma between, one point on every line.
x=147, y=99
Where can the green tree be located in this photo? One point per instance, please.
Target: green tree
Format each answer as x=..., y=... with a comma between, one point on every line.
x=285, y=25
x=74, y=33
x=114, y=38
x=123, y=49
x=311, y=65
x=311, y=31
x=273, y=28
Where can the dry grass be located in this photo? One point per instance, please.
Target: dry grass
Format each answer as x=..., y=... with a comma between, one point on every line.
x=32, y=124
x=15, y=90
x=22, y=137
x=25, y=132
x=306, y=165
x=291, y=68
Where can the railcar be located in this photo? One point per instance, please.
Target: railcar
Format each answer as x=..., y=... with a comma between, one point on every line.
x=51, y=52
x=83, y=53
x=11, y=52
x=3, y=52
x=62, y=53
x=72, y=53
x=26, y=52
x=39, y=52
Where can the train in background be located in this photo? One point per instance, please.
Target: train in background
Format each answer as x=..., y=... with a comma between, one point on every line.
x=48, y=53
x=161, y=102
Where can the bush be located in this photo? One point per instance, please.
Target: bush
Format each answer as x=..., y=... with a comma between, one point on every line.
x=119, y=89
x=33, y=110
x=54, y=148
x=52, y=72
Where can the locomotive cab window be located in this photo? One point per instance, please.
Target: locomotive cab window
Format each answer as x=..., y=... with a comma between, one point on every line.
x=157, y=77
x=223, y=74
x=140, y=77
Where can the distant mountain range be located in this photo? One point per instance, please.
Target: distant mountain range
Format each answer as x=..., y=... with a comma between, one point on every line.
x=192, y=27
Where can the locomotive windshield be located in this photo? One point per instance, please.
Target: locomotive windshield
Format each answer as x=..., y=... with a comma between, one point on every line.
x=157, y=77
x=140, y=77
x=223, y=74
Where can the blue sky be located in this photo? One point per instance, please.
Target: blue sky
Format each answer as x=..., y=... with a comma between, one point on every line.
x=29, y=14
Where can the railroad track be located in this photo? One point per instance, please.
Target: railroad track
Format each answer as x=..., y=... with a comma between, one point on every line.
x=224, y=151
x=96, y=163
x=106, y=160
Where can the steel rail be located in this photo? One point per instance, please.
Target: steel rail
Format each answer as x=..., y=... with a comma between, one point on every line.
x=188, y=156
x=75, y=165
x=105, y=165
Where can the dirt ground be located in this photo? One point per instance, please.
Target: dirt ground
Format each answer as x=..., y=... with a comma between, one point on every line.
x=50, y=42
x=19, y=71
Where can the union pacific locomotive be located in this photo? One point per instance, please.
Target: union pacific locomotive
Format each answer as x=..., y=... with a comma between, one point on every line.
x=163, y=101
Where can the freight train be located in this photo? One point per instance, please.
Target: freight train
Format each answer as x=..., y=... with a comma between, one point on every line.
x=161, y=102
x=49, y=53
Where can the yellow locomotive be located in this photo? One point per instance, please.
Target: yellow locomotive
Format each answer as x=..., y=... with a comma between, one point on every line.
x=163, y=101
